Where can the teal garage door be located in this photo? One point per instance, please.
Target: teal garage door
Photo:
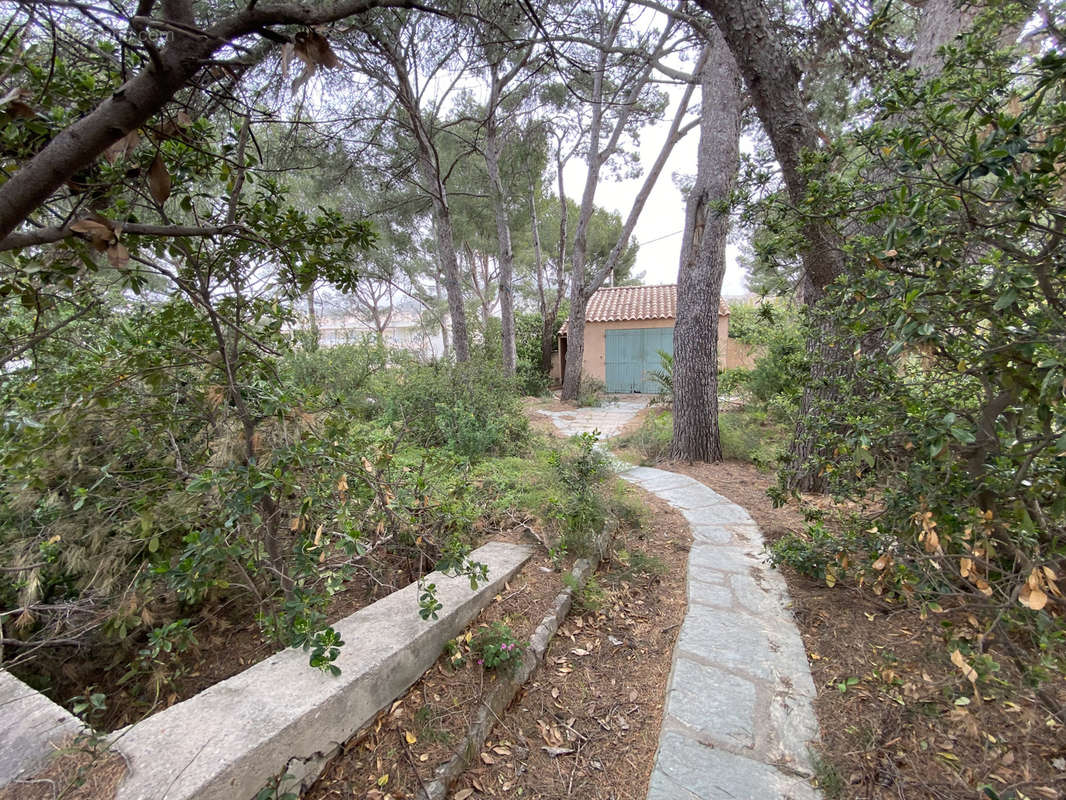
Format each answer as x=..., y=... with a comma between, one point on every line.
x=631, y=354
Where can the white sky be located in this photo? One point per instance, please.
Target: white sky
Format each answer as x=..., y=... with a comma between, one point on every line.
x=659, y=229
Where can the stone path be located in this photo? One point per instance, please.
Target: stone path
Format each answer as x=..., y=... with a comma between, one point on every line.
x=738, y=711
x=608, y=419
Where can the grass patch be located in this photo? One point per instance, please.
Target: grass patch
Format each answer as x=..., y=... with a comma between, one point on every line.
x=746, y=435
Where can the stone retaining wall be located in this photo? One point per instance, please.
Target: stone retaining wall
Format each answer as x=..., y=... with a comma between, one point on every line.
x=279, y=716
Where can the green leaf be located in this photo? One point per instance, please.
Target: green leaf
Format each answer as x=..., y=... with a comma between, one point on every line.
x=1006, y=300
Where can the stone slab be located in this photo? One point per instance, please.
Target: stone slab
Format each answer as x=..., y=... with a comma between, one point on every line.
x=710, y=773
x=763, y=649
x=712, y=534
x=793, y=726
x=710, y=594
x=281, y=716
x=761, y=595
x=716, y=705
x=723, y=558
x=722, y=514
x=747, y=534
x=32, y=727
x=692, y=497
x=665, y=480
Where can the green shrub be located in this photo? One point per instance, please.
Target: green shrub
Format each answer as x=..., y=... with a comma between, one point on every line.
x=652, y=439
x=495, y=647
x=532, y=382
x=663, y=377
x=471, y=409
x=339, y=375
x=752, y=436
x=582, y=510
x=733, y=382
x=590, y=392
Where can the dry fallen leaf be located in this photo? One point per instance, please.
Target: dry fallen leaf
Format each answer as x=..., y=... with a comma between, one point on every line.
x=557, y=751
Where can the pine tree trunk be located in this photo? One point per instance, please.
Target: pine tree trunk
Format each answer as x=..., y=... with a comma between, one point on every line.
x=773, y=80
x=702, y=267
x=575, y=347
x=442, y=224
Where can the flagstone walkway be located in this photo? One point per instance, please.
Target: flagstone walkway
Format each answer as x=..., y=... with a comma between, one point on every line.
x=608, y=419
x=739, y=714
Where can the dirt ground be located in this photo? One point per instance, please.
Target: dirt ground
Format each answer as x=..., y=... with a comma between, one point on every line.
x=585, y=726
x=899, y=721
x=228, y=640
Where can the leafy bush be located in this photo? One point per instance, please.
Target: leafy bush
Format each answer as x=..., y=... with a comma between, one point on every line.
x=776, y=381
x=663, y=377
x=495, y=647
x=733, y=382
x=338, y=376
x=751, y=436
x=653, y=438
x=582, y=469
x=471, y=409
x=532, y=382
x=590, y=393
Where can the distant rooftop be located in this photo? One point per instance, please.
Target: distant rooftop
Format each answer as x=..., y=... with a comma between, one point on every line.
x=624, y=303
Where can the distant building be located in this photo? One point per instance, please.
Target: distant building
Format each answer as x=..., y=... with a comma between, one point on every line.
x=404, y=331
x=626, y=327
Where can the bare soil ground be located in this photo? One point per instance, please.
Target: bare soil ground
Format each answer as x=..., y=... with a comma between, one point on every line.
x=899, y=721
x=585, y=726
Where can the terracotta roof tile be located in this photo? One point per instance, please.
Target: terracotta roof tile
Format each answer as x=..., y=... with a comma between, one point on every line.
x=623, y=303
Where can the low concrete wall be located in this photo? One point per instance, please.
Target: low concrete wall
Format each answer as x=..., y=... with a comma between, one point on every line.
x=31, y=728
x=281, y=716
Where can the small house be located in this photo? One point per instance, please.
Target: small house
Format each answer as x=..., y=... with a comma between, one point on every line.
x=625, y=328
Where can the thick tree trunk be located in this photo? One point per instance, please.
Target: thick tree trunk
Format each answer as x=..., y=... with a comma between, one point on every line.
x=575, y=347
x=144, y=95
x=702, y=267
x=442, y=227
x=772, y=78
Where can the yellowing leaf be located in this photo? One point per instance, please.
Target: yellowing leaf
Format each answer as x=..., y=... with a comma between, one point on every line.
x=118, y=255
x=830, y=578
x=159, y=180
x=409, y=737
x=383, y=779
x=959, y=661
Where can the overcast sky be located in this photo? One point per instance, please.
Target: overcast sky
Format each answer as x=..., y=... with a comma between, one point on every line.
x=659, y=228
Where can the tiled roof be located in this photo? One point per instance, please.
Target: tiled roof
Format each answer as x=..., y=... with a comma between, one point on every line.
x=623, y=303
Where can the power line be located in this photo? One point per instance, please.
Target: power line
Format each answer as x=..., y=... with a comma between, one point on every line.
x=660, y=238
